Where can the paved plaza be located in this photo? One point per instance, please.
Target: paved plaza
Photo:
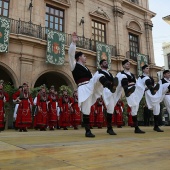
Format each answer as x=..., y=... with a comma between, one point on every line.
x=70, y=150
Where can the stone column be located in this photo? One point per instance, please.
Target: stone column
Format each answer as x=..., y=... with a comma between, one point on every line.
x=149, y=41
x=118, y=26
x=26, y=70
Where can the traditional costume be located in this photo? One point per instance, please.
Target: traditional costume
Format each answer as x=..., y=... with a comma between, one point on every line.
x=4, y=97
x=119, y=114
x=53, y=104
x=24, y=116
x=75, y=116
x=89, y=87
x=42, y=112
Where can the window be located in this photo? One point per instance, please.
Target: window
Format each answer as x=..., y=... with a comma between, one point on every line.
x=54, y=18
x=98, y=31
x=134, y=1
x=133, y=45
x=168, y=55
x=4, y=8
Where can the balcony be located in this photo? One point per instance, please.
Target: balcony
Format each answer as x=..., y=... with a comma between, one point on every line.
x=134, y=56
x=37, y=31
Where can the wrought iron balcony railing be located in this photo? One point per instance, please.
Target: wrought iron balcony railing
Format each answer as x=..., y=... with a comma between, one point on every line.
x=37, y=31
x=133, y=56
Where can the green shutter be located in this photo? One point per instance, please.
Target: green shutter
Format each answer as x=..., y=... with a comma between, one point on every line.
x=55, y=47
x=4, y=34
x=141, y=60
x=103, y=52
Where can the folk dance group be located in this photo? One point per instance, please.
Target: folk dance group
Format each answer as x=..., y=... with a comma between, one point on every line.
x=90, y=87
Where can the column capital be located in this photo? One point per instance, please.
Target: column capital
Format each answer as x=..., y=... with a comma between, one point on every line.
x=118, y=11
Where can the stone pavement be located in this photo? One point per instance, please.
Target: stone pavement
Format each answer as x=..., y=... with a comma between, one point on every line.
x=70, y=150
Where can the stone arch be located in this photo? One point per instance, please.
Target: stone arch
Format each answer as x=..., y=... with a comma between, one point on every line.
x=63, y=76
x=8, y=71
x=134, y=25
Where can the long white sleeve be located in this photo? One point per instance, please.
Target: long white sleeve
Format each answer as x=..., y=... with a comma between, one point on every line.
x=71, y=55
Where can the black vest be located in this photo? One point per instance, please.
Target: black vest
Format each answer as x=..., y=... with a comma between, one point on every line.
x=131, y=79
x=152, y=80
x=81, y=74
x=163, y=81
x=108, y=76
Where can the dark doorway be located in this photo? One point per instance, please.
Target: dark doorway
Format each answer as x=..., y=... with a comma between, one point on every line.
x=51, y=78
x=5, y=76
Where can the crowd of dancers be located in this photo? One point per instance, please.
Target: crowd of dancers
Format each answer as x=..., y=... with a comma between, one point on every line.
x=95, y=93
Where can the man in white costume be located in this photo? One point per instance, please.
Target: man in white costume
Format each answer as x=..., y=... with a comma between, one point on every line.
x=166, y=97
x=89, y=87
x=109, y=100
x=153, y=97
x=127, y=81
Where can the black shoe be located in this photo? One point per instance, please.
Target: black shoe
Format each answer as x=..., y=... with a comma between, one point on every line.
x=25, y=130
x=157, y=129
x=20, y=130
x=130, y=91
x=65, y=128
x=115, y=84
x=76, y=128
x=89, y=134
x=119, y=126
x=111, y=132
x=137, y=130
x=99, y=127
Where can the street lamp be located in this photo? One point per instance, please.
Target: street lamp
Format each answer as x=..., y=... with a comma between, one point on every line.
x=30, y=8
x=82, y=22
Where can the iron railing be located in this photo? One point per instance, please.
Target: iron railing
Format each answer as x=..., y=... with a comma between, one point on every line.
x=133, y=56
x=37, y=31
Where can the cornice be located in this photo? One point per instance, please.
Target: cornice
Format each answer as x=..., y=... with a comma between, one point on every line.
x=100, y=13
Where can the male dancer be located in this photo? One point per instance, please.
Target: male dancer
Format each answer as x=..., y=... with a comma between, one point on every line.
x=153, y=95
x=89, y=87
x=166, y=97
x=127, y=81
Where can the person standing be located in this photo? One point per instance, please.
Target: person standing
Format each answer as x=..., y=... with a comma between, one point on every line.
x=75, y=115
x=24, y=116
x=99, y=115
x=89, y=87
x=119, y=114
x=4, y=97
x=52, y=105
x=42, y=109
x=65, y=109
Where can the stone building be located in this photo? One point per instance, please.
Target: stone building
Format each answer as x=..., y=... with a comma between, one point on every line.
x=166, y=47
x=125, y=25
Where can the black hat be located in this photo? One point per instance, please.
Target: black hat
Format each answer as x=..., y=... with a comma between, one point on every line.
x=78, y=54
x=166, y=71
x=101, y=61
x=124, y=62
x=143, y=67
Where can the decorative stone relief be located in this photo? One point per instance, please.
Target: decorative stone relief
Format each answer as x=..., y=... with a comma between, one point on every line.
x=63, y=2
x=134, y=25
x=118, y=11
x=100, y=13
x=148, y=25
x=80, y=1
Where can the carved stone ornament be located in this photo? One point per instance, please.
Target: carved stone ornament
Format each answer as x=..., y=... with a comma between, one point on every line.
x=134, y=25
x=63, y=2
x=80, y=1
x=148, y=25
x=100, y=13
x=118, y=11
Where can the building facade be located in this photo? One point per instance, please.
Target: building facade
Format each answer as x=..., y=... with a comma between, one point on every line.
x=166, y=47
x=125, y=25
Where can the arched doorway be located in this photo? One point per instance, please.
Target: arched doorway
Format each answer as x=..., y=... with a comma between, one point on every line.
x=52, y=78
x=5, y=76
